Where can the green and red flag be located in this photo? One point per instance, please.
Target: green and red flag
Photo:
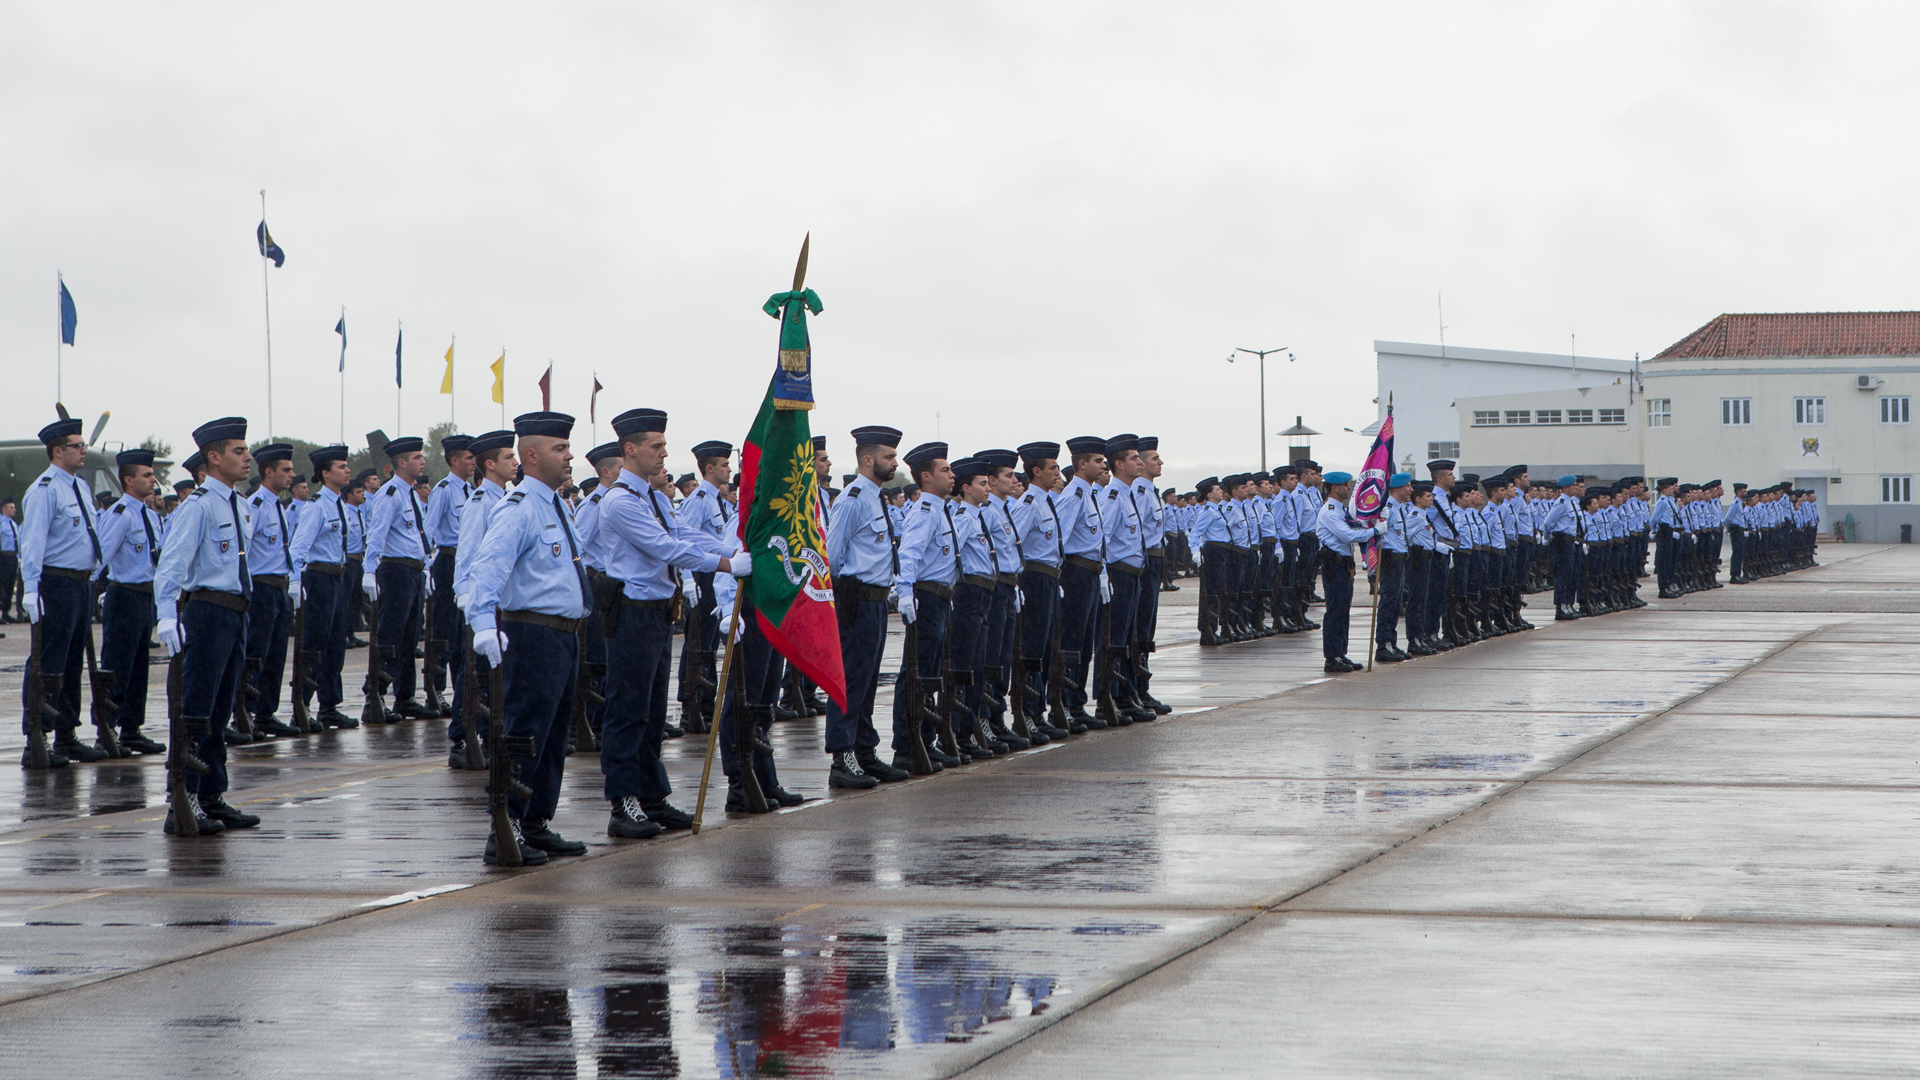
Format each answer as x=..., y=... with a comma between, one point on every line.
x=791, y=587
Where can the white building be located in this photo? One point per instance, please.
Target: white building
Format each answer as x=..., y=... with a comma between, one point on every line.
x=1426, y=381
x=1824, y=400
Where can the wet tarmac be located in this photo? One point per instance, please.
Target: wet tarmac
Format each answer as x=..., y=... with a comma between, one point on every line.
x=1676, y=841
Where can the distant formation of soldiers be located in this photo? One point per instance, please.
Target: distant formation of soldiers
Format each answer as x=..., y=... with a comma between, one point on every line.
x=539, y=617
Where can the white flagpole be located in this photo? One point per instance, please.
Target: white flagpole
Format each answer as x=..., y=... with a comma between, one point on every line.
x=59, y=338
x=343, y=377
x=453, y=414
x=400, y=336
x=266, y=296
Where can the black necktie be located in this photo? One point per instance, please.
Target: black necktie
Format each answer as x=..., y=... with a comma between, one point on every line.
x=952, y=537
x=653, y=500
x=893, y=542
x=579, y=570
x=420, y=523
x=340, y=511
x=86, y=515
x=284, y=546
x=240, y=537
x=1059, y=542
x=153, y=545
x=993, y=553
x=1140, y=521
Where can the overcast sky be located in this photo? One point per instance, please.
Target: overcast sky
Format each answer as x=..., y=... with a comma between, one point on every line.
x=1030, y=220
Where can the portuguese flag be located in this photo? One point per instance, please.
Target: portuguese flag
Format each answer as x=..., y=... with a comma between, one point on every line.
x=791, y=588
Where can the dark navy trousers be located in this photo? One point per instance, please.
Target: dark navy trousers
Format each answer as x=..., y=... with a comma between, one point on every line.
x=930, y=631
x=967, y=650
x=1039, y=607
x=66, y=606
x=326, y=613
x=269, y=624
x=1121, y=612
x=761, y=670
x=1336, y=574
x=1079, y=628
x=443, y=621
x=1392, y=598
x=216, y=651
x=400, y=589
x=863, y=642
x=636, y=718
x=537, y=675
x=126, y=627
x=1566, y=580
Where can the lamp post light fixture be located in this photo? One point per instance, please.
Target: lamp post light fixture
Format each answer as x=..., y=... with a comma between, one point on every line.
x=1262, y=354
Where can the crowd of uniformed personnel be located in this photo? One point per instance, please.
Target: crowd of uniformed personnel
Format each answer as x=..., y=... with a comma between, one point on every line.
x=1027, y=581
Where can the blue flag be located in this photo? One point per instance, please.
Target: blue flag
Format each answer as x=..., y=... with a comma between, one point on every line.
x=269, y=249
x=69, y=315
x=341, y=329
x=398, y=337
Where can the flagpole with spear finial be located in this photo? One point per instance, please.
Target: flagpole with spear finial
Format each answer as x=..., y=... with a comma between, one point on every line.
x=266, y=301
x=733, y=626
x=1374, y=579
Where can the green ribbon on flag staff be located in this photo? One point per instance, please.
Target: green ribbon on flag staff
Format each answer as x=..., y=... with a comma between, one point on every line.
x=793, y=379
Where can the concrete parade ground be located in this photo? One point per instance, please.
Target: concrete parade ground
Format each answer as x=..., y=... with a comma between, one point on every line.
x=1679, y=841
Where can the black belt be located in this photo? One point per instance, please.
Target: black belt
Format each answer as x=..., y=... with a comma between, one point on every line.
x=1130, y=571
x=979, y=581
x=135, y=586
x=1084, y=563
x=856, y=590
x=944, y=592
x=1042, y=568
x=655, y=605
x=535, y=618
x=412, y=564
x=448, y=549
x=1005, y=578
x=1217, y=545
x=1269, y=541
x=359, y=558
x=278, y=581
x=232, y=601
x=1157, y=551
x=332, y=569
x=61, y=571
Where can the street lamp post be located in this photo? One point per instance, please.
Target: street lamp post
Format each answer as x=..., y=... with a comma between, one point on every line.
x=1262, y=354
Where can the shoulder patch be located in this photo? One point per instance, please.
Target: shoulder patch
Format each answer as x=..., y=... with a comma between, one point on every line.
x=700, y=494
x=925, y=506
x=477, y=495
x=442, y=483
x=390, y=490
x=517, y=496
x=1028, y=497
x=854, y=490
x=1113, y=493
x=1076, y=492
x=119, y=508
x=595, y=497
x=45, y=480
x=197, y=492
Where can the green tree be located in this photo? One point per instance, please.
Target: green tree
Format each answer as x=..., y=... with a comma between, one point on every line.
x=162, y=457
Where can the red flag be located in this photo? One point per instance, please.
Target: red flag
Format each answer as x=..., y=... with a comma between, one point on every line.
x=546, y=389
x=593, y=399
x=1370, y=496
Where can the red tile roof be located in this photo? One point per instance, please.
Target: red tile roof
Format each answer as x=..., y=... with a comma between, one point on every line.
x=1819, y=333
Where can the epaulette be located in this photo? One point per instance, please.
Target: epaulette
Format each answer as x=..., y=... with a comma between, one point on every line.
x=119, y=508
x=443, y=482
x=1028, y=497
x=390, y=490
x=517, y=496
x=595, y=497
x=45, y=480
x=196, y=493
x=1113, y=493
x=854, y=491
x=477, y=494
x=699, y=494
x=1077, y=492
x=926, y=506
x=256, y=500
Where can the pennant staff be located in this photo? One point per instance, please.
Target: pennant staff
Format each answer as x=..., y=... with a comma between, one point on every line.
x=1373, y=490
x=270, y=253
x=499, y=369
x=446, y=383
x=593, y=403
x=69, y=320
x=341, y=329
x=399, y=338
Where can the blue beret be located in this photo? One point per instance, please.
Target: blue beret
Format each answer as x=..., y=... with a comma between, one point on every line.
x=453, y=444
x=404, y=445
x=59, y=429
x=492, y=440
x=876, y=435
x=1567, y=479
x=926, y=452
x=324, y=456
x=1399, y=479
x=1336, y=478
x=213, y=431
x=272, y=452
x=602, y=452
x=638, y=421
x=136, y=456
x=552, y=425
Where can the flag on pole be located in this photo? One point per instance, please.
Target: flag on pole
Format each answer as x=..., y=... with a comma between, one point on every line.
x=780, y=522
x=269, y=249
x=546, y=389
x=446, y=381
x=499, y=368
x=341, y=329
x=593, y=399
x=69, y=315
x=399, y=336
x=1370, y=492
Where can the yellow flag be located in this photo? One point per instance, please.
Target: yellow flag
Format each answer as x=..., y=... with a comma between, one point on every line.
x=499, y=379
x=446, y=381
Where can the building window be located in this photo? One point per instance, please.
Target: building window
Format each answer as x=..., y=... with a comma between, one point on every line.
x=1519, y=416
x=1579, y=416
x=1896, y=489
x=1736, y=411
x=1547, y=416
x=1895, y=410
x=1438, y=450
x=1809, y=410
x=1659, y=412
x=1486, y=417
x=1613, y=416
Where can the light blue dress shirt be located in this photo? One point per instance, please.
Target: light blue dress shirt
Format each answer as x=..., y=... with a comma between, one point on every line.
x=393, y=525
x=586, y=522
x=268, y=543
x=1126, y=540
x=473, y=529
x=444, y=504
x=927, y=545
x=711, y=515
x=861, y=534
x=320, y=536
x=526, y=561
x=998, y=522
x=1036, y=515
x=205, y=546
x=56, y=526
x=1334, y=532
x=642, y=542
x=129, y=535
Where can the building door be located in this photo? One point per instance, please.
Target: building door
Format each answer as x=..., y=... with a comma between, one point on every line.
x=1818, y=485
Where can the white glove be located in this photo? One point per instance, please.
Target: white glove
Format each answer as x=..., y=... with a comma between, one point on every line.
x=907, y=610
x=429, y=584
x=491, y=644
x=1106, y=588
x=1379, y=528
x=293, y=595
x=170, y=635
x=371, y=586
x=1019, y=599
x=698, y=592
x=30, y=603
x=740, y=564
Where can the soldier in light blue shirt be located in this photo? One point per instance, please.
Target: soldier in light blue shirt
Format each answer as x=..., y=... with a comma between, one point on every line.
x=1156, y=523
x=1422, y=553
x=708, y=512
x=444, y=506
x=530, y=594
x=1084, y=581
x=1036, y=516
x=923, y=581
x=203, y=586
x=130, y=538
x=59, y=553
x=1214, y=539
x=862, y=538
x=394, y=578
x=1337, y=532
x=495, y=466
x=318, y=564
x=1396, y=543
x=972, y=609
x=270, y=618
x=996, y=518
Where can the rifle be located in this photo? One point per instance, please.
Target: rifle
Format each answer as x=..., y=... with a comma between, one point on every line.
x=243, y=689
x=470, y=703
x=950, y=683
x=500, y=779
x=1017, y=688
x=36, y=703
x=918, y=762
x=1102, y=668
x=376, y=684
x=105, y=713
x=302, y=682
x=179, y=758
x=435, y=671
x=698, y=684
x=583, y=736
x=1057, y=680
x=746, y=724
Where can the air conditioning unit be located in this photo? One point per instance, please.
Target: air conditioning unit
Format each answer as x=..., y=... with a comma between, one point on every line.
x=1866, y=382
